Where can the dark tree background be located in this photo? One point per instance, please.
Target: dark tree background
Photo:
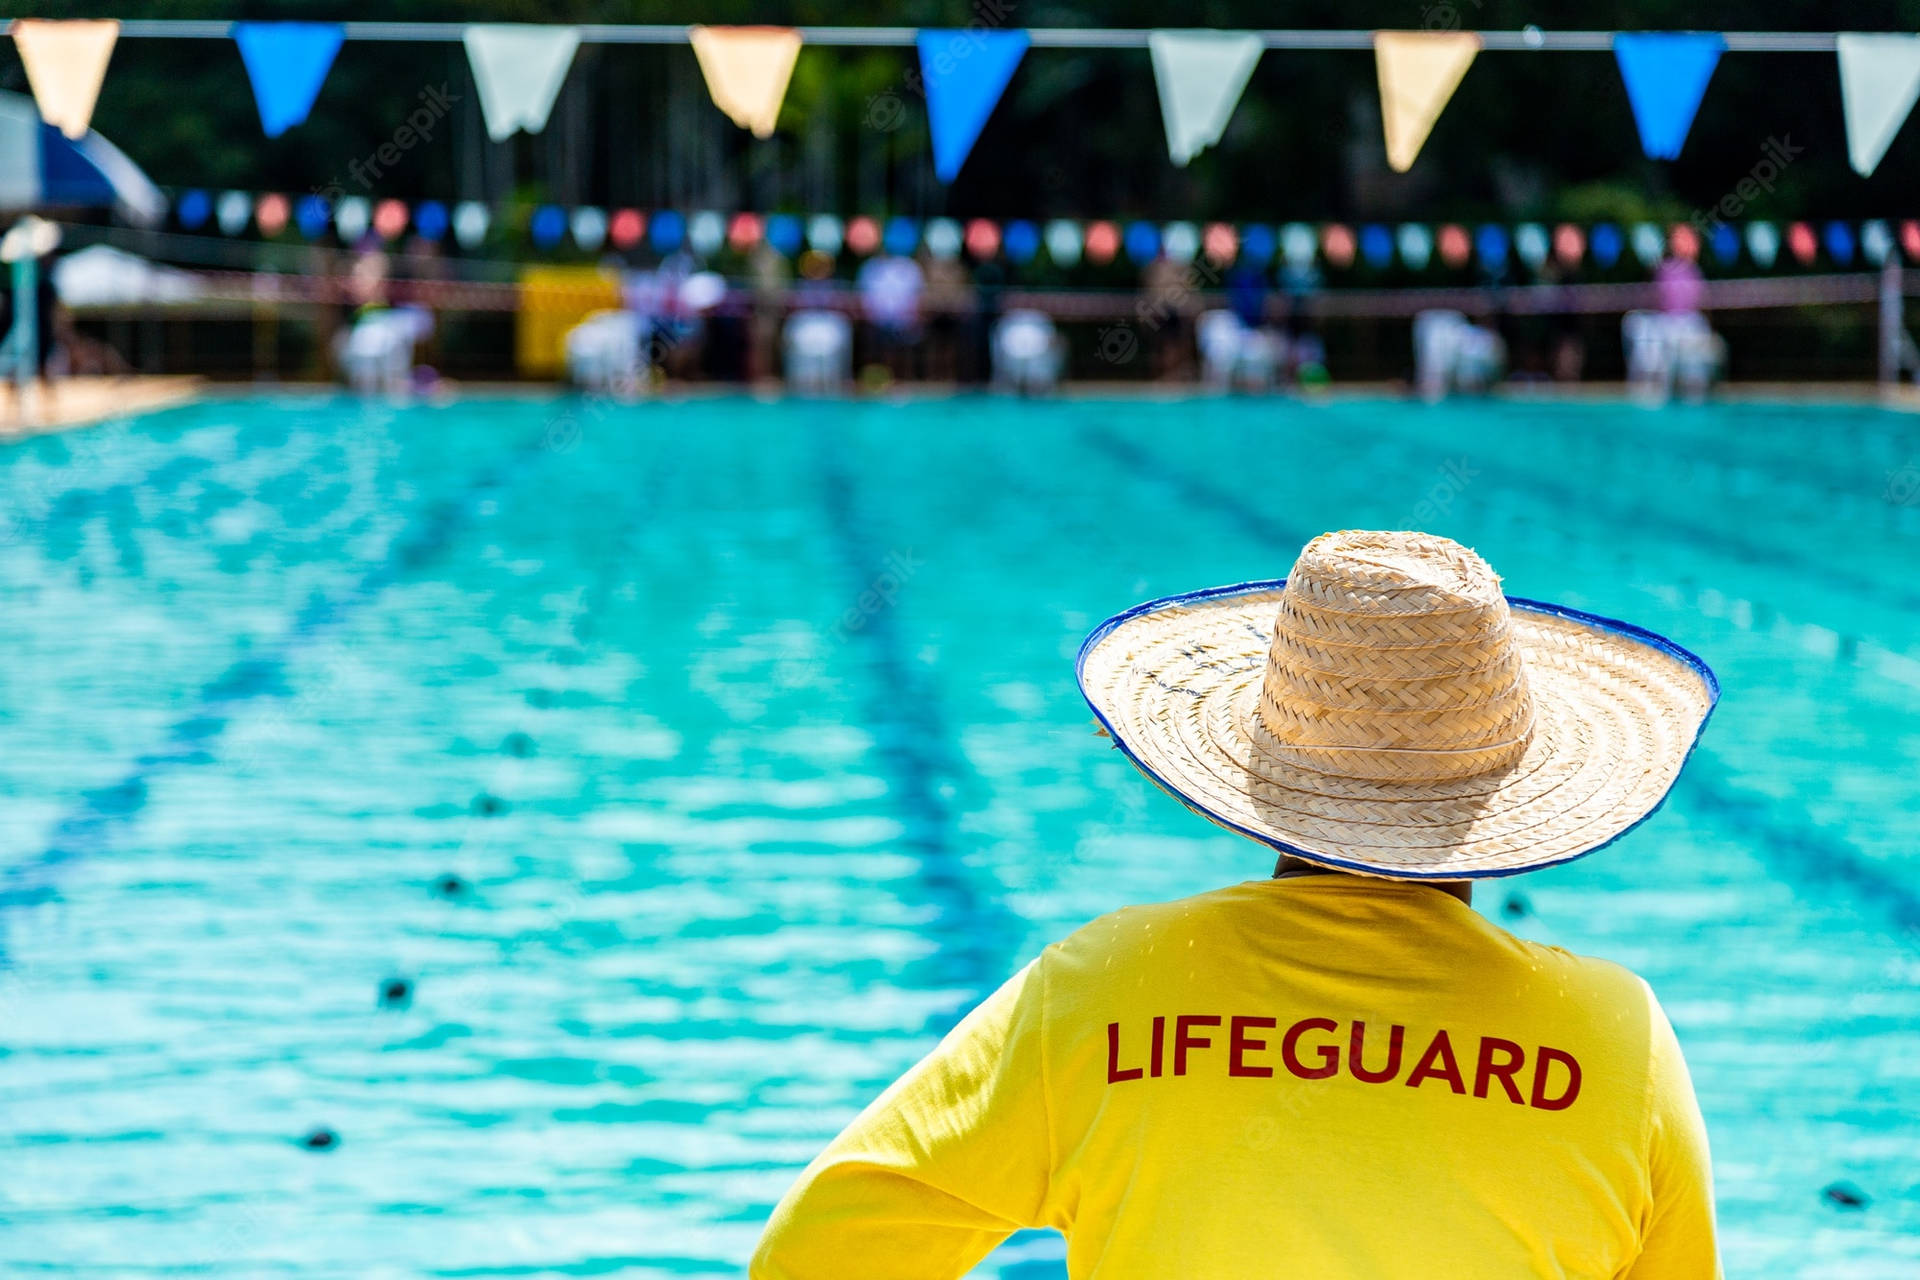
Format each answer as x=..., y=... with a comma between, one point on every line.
x=1546, y=135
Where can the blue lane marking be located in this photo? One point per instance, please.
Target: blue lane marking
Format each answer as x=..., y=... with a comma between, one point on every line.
x=1803, y=854
x=914, y=750
x=1603, y=501
x=1197, y=493
x=87, y=827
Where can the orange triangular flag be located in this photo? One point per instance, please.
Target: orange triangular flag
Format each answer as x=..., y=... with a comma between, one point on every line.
x=66, y=61
x=747, y=69
x=1419, y=70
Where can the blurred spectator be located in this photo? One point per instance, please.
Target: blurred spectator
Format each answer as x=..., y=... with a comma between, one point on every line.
x=1171, y=302
x=1680, y=286
x=767, y=276
x=890, y=291
x=989, y=279
x=949, y=301
x=1247, y=291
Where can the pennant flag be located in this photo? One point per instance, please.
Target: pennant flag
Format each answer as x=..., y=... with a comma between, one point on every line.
x=747, y=69
x=287, y=63
x=1418, y=71
x=66, y=63
x=1201, y=75
x=1666, y=75
x=965, y=72
x=1879, y=83
x=518, y=69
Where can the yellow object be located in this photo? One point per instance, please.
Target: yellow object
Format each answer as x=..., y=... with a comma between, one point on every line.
x=1418, y=70
x=747, y=69
x=1312, y=1076
x=552, y=301
x=66, y=63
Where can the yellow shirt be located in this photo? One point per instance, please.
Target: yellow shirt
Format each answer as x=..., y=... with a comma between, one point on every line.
x=1316, y=1076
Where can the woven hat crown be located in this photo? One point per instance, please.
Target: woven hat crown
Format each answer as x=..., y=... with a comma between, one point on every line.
x=1393, y=659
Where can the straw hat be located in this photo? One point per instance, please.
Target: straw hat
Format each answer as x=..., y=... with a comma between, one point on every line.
x=1385, y=710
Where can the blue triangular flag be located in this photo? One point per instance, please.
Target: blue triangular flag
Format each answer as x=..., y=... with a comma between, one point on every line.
x=1666, y=75
x=965, y=74
x=287, y=62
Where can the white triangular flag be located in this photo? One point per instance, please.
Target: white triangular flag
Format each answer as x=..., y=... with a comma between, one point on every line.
x=518, y=68
x=1879, y=83
x=66, y=63
x=1201, y=75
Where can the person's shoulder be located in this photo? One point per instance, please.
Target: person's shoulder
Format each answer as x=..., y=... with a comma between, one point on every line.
x=1131, y=929
x=1604, y=984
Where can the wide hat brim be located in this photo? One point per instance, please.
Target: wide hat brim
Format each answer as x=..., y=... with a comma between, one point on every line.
x=1176, y=684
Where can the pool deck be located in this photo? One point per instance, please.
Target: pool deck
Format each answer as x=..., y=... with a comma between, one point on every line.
x=81, y=402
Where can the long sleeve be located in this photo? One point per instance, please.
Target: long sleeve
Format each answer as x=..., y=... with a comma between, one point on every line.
x=943, y=1166
x=1678, y=1241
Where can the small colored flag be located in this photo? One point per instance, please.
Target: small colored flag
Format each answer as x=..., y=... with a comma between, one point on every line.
x=286, y=63
x=964, y=72
x=1666, y=75
x=1418, y=71
x=66, y=63
x=1879, y=83
x=747, y=69
x=1201, y=75
x=518, y=69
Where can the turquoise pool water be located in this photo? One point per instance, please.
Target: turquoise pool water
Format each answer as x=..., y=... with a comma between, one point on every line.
x=751, y=733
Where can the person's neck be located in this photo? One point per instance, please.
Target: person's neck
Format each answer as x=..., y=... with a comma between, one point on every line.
x=1288, y=867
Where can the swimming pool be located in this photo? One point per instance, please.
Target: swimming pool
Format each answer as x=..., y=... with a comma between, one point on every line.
x=696, y=764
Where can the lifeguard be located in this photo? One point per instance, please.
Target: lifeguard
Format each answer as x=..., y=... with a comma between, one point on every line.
x=1317, y=1048
x=1342, y=1072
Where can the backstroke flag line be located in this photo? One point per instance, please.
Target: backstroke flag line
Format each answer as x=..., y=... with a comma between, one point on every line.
x=66, y=63
x=518, y=69
x=965, y=72
x=1201, y=75
x=747, y=69
x=1418, y=70
x=1666, y=75
x=1879, y=82
x=287, y=62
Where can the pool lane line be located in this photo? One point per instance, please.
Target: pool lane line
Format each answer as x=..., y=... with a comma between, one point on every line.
x=87, y=826
x=1795, y=474
x=1654, y=519
x=1803, y=854
x=914, y=749
x=1805, y=857
x=1196, y=492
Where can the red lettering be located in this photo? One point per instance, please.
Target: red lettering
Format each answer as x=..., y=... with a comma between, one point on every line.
x=1159, y=1043
x=1114, y=1074
x=1440, y=1051
x=1183, y=1042
x=1243, y=1044
x=1544, y=1059
x=1487, y=1069
x=1356, y=1054
x=1329, y=1054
